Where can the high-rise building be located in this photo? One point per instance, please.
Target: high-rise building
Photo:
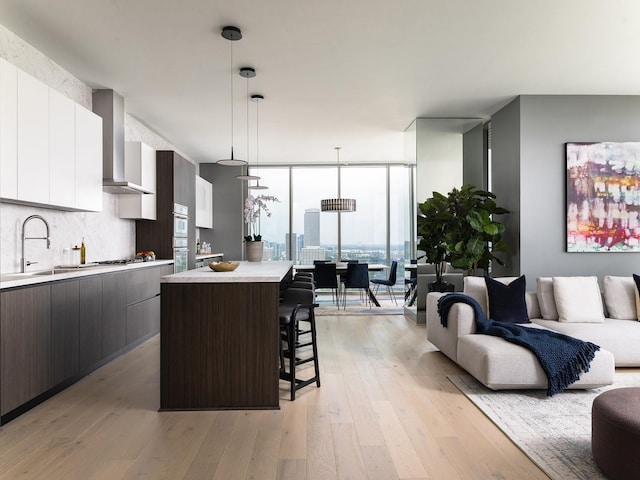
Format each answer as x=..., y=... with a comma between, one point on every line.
x=309, y=254
x=295, y=242
x=312, y=227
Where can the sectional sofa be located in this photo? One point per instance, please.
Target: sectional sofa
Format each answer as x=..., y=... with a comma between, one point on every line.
x=575, y=306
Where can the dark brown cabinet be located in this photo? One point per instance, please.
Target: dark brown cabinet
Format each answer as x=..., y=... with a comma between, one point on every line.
x=175, y=183
x=143, y=303
x=65, y=321
x=25, y=343
x=114, y=312
x=52, y=334
x=90, y=331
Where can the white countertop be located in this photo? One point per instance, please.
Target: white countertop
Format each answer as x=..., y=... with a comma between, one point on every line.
x=200, y=256
x=246, y=272
x=11, y=280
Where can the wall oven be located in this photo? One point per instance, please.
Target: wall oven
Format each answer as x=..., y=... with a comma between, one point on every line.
x=180, y=237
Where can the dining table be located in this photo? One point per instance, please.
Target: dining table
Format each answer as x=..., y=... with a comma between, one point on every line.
x=341, y=268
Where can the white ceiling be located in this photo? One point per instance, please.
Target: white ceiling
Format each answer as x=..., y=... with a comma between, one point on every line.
x=353, y=73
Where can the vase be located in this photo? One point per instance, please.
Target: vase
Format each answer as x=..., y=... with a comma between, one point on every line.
x=253, y=251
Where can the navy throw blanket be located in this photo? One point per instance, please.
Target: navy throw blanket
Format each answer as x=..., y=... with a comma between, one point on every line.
x=563, y=358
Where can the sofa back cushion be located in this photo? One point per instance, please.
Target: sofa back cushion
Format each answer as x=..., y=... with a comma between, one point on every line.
x=546, y=300
x=506, y=301
x=578, y=299
x=620, y=297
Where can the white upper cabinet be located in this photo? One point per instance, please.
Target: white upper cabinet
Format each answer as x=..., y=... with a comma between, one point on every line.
x=33, y=139
x=50, y=146
x=8, y=130
x=139, y=168
x=88, y=181
x=62, y=151
x=204, y=203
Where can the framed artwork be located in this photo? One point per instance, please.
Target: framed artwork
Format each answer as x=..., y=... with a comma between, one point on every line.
x=603, y=197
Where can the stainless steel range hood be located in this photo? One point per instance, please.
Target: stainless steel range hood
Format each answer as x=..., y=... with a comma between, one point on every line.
x=110, y=106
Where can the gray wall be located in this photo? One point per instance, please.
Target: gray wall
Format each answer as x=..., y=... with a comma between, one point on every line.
x=474, y=165
x=505, y=181
x=528, y=153
x=226, y=236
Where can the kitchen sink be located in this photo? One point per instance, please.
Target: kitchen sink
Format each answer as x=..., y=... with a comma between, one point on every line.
x=7, y=277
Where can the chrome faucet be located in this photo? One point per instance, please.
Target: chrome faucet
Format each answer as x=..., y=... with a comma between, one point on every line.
x=23, y=262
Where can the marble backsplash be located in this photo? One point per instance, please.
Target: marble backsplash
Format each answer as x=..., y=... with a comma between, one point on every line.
x=106, y=236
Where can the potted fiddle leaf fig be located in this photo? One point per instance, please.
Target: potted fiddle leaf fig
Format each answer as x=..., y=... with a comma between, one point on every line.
x=432, y=226
x=473, y=234
x=461, y=228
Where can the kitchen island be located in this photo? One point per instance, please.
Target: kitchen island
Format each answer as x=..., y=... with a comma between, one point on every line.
x=219, y=337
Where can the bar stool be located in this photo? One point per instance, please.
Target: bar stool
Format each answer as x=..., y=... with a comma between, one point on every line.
x=298, y=305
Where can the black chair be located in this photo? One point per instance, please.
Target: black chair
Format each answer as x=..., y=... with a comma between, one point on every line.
x=300, y=275
x=326, y=276
x=412, y=282
x=388, y=282
x=297, y=305
x=302, y=283
x=357, y=277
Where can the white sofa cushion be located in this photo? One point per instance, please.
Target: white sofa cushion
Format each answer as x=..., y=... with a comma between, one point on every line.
x=546, y=300
x=500, y=365
x=620, y=297
x=620, y=337
x=578, y=299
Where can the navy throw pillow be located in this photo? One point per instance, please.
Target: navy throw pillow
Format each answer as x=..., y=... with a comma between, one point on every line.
x=636, y=278
x=506, y=302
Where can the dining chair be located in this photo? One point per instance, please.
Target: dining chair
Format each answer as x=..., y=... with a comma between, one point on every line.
x=411, y=282
x=388, y=282
x=297, y=305
x=326, y=276
x=357, y=277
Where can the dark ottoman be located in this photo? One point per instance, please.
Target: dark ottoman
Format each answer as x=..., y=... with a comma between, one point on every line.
x=615, y=433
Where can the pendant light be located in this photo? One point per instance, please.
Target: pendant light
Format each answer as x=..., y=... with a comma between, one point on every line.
x=232, y=34
x=338, y=204
x=247, y=72
x=257, y=186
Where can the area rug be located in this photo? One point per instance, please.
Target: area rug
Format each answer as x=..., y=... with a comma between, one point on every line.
x=554, y=432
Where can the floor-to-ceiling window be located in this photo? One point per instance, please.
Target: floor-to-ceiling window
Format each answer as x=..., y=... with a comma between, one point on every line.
x=274, y=228
x=364, y=232
x=314, y=234
x=379, y=231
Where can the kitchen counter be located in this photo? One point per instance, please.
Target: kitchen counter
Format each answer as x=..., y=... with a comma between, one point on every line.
x=202, y=256
x=219, y=337
x=11, y=280
x=246, y=272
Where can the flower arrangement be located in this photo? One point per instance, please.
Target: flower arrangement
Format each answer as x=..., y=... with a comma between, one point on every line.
x=252, y=208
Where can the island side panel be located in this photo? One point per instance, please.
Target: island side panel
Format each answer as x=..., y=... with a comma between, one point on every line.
x=219, y=346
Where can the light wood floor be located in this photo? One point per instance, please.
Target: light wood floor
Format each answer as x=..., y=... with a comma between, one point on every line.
x=385, y=411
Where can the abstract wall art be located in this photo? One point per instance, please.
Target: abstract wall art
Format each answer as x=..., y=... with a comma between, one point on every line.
x=603, y=197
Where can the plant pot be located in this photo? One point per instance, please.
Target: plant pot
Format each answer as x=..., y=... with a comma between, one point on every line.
x=253, y=251
x=441, y=287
